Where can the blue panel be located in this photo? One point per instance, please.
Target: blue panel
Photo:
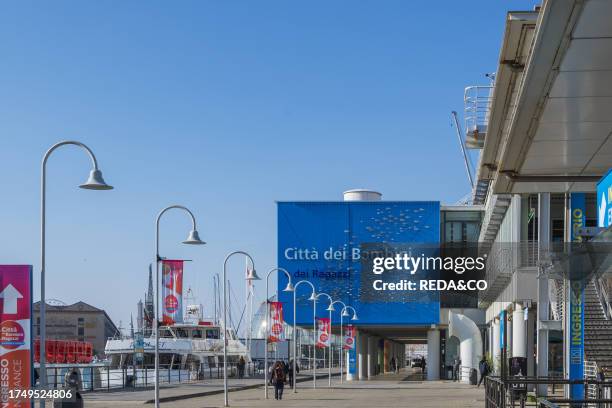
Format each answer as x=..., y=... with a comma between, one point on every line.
x=502, y=328
x=321, y=242
x=604, y=200
x=578, y=205
x=576, y=347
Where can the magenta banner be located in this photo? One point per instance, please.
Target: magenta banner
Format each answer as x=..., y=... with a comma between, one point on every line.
x=15, y=331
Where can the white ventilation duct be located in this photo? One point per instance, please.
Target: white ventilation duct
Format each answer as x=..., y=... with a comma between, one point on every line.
x=362, y=195
x=470, y=342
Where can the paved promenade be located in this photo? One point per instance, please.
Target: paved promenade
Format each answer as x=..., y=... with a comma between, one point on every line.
x=172, y=392
x=387, y=391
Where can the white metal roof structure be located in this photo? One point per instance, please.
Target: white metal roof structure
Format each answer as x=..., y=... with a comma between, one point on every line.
x=550, y=114
x=551, y=111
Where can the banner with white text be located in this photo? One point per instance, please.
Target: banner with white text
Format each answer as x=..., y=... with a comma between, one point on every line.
x=349, y=338
x=277, y=332
x=323, y=332
x=172, y=291
x=15, y=332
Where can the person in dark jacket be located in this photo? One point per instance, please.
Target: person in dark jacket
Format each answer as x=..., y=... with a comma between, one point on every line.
x=601, y=376
x=457, y=369
x=278, y=379
x=241, y=366
x=290, y=373
x=483, y=367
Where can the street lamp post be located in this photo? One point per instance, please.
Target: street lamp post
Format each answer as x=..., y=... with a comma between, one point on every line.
x=341, y=337
x=289, y=288
x=344, y=313
x=330, y=309
x=313, y=298
x=252, y=275
x=192, y=239
x=95, y=181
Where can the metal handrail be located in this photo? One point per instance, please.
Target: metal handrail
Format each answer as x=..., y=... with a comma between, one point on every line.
x=477, y=104
x=499, y=392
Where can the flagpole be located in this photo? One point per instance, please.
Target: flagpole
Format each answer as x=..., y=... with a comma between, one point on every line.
x=289, y=288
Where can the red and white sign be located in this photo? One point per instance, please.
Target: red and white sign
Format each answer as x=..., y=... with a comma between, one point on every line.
x=277, y=331
x=349, y=338
x=172, y=292
x=15, y=332
x=323, y=332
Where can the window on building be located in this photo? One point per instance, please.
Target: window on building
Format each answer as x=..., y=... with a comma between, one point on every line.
x=558, y=230
x=81, y=328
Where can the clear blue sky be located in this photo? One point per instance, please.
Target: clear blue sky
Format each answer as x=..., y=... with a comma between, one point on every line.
x=223, y=106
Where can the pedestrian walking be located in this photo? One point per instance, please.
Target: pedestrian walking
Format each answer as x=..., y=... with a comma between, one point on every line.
x=456, y=369
x=291, y=373
x=484, y=368
x=241, y=365
x=278, y=379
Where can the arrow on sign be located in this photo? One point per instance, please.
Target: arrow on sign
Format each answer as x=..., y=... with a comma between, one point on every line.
x=10, y=296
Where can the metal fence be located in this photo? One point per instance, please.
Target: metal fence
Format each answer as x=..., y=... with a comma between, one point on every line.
x=99, y=378
x=513, y=392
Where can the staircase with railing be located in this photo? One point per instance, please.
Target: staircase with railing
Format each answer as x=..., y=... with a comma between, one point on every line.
x=598, y=330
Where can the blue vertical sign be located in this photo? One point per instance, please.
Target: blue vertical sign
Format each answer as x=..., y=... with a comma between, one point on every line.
x=502, y=324
x=352, y=356
x=576, y=307
x=576, y=346
x=578, y=206
x=604, y=200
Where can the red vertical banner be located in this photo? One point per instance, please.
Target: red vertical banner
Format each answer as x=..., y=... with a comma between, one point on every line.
x=15, y=332
x=349, y=338
x=172, y=292
x=277, y=331
x=323, y=332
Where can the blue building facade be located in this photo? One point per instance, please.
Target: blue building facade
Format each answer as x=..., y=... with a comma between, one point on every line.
x=325, y=243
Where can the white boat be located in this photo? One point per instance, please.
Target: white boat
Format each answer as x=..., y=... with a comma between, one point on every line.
x=195, y=345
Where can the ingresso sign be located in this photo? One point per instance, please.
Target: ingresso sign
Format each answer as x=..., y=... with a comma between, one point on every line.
x=15, y=331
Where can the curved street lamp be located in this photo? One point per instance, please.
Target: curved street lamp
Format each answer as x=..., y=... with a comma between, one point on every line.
x=193, y=238
x=330, y=309
x=289, y=288
x=312, y=298
x=251, y=276
x=341, y=336
x=343, y=314
x=95, y=181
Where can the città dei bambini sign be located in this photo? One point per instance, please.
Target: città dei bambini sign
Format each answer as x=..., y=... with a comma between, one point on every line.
x=396, y=271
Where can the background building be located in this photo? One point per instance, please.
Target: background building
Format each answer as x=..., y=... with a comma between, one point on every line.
x=542, y=130
x=79, y=321
x=330, y=243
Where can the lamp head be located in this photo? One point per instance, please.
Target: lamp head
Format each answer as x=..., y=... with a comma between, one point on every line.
x=355, y=317
x=95, y=181
x=193, y=238
x=252, y=275
x=331, y=308
x=289, y=287
x=345, y=313
x=313, y=297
